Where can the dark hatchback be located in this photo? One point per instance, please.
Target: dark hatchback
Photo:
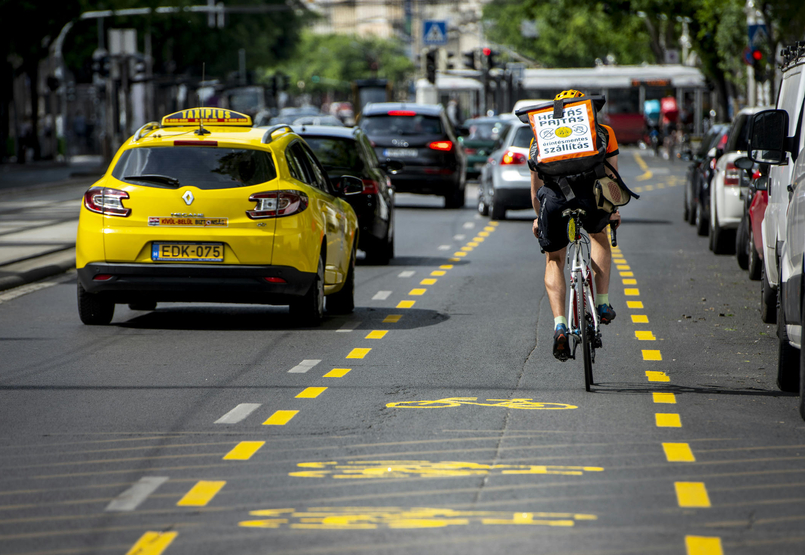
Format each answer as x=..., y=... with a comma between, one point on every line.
x=700, y=173
x=422, y=137
x=347, y=150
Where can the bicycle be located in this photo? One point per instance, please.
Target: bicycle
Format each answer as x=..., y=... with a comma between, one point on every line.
x=583, y=322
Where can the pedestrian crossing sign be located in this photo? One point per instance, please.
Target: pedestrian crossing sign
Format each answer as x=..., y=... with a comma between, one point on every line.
x=434, y=32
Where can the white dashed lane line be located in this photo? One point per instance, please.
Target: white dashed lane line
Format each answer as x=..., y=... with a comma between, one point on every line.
x=381, y=295
x=444, y=247
x=304, y=366
x=406, y=274
x=348, y=326
x=239, y=413
x=469, y=225
x=24, y=290
x=459, y=237
x=136, y=494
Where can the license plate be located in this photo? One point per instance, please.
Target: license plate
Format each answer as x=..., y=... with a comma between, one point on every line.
x=188, y=252
x=400, y=152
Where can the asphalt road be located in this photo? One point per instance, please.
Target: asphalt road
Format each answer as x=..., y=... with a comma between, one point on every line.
x=223, y=430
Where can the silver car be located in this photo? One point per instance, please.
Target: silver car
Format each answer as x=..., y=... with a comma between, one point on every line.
x=505, y=182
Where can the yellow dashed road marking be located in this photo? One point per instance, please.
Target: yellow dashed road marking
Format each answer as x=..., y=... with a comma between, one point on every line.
x=477, y=240
x=438, y=273
x=466, y=249
x=446, y=266
x=668, y=398
x=631, y=292
x=628, y=281
x=639, y=319
x=623, y=267
x=337, y=373
x=152, y=543
x=244, y=450
x=489, y=228
x=692, y=494
x=453, y=259
x=667, y=420
x=645, y=335
x=201, y=494
x=358, y=352
x=627, y=274
x=392, y=318
x=657, y=376
x=417, y=291
x=483, y=234
x=634, y=304
x=678, y=452
x=311, y=392
x=405, y=304
x=428, y=281
x=617, y=261
x=459, y=253
x=651, y=355
x=377, y=334
x=280, y=418
x=702, y=545
x=494, y=224
x=472, y=244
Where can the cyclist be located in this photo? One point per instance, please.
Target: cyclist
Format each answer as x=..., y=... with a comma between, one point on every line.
x=550, y=227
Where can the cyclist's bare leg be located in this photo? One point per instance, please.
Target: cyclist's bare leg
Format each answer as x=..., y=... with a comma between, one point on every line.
x=555, y=281
x=601, y=259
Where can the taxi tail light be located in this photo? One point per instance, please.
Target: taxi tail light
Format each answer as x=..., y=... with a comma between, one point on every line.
x=732, y=175
x=277, y=204
x=513, y=158
x=103, y=200
x=444, y=146
x=370, y=187
x=275, y=280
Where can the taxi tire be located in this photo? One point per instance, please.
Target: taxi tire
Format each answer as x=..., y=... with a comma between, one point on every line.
x=309, y=309
x=93, y=310
x=496, y=210
x=343, y=302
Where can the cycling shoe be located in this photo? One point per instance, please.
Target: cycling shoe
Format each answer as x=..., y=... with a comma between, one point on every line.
x=605, y=313
x=561, y=349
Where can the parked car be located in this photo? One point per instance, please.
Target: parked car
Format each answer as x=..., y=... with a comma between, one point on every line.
x=747, y=238
x=347, y=150
x=790, y=99
x=700, y=172
x=505, y=182
x=484, y=137
x=774, y=141
x=422, y=137
x=323, y=119
x=726, y=206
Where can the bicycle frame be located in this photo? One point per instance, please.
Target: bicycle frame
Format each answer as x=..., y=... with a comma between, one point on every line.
x=578, y=261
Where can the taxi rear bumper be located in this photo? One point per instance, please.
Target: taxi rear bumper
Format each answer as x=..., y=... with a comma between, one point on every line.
x=128, y=283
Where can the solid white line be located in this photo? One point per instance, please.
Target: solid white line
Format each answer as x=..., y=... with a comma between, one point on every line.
x=381, y=295
x=444, y=247
x=459, y=237
x=136, y=494
x=239, y=413
x=304, y=366
x=24, y=290
x=469, y=225
x=349, y=326
x=407, y=273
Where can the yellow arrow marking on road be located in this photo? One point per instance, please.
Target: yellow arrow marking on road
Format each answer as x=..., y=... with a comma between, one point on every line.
x=643, y=166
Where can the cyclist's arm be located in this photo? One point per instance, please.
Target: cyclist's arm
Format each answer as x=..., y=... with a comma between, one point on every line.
x=536, y=183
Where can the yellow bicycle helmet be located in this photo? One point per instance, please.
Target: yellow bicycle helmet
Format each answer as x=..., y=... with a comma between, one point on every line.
x=570, y=93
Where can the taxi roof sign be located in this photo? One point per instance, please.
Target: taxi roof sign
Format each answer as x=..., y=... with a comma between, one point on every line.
x=206, y=116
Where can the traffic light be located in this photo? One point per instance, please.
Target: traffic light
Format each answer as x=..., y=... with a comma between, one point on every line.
x=759, y=65
x=489, y=58
x=469, y=59
x=430, y=65
x=445, y=61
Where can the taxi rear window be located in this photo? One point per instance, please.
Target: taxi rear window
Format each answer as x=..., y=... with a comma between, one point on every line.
x=203, y=167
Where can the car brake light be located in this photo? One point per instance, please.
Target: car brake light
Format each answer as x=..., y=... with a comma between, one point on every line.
x=103, y=200
x=755, y=174
x=441, y=145
x=732, y=175
x=370, y=187
x=513, y=158
x=274, y=280
x=469, y=150
x=277, y=204
x=402, y=113
x=102, y=277
x=713, y=163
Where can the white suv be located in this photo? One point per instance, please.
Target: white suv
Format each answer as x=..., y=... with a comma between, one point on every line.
x=790, y=99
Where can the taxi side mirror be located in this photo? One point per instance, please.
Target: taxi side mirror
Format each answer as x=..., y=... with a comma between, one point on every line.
x=768, y=137
x=348, y=185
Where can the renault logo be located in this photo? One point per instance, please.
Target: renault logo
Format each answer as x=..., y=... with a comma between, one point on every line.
x=188, y=198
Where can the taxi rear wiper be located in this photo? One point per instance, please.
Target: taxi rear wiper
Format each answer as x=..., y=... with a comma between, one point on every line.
x=155, y=178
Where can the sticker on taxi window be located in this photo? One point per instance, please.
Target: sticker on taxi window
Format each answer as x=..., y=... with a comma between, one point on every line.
x=207, y=116
x=188, y=222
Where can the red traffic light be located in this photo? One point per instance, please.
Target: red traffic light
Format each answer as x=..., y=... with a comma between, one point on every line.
x=487, y=51
x=757, y=55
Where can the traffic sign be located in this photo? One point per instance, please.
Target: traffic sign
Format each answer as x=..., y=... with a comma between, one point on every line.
x=434, y=32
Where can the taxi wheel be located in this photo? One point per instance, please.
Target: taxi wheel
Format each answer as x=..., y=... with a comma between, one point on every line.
x=93, y=310
x=309, y=310
x=343, y=302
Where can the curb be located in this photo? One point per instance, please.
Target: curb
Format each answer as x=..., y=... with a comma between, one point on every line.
x=37, y=268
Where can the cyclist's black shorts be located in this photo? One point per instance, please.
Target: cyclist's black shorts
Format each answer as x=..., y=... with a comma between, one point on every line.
x=553, y=226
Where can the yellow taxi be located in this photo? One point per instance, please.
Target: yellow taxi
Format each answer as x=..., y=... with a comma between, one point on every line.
x=205, y=208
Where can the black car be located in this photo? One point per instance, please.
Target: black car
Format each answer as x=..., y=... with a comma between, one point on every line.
x=700, y=173
x=422, y=137
x=347, y=150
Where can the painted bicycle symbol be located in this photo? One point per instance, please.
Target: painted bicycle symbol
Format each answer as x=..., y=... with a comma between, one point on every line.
x=527, y=404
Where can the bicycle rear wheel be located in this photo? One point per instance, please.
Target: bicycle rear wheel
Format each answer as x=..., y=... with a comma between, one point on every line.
x=586, y=340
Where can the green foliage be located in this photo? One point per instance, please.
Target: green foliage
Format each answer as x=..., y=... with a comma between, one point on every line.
x=572, y=33
x=331, y=62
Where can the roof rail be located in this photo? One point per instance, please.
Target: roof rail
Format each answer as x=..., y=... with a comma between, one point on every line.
x=145, y=129
x=273, y=129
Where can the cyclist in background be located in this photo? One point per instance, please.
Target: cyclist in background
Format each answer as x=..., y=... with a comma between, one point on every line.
x=550, y=227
